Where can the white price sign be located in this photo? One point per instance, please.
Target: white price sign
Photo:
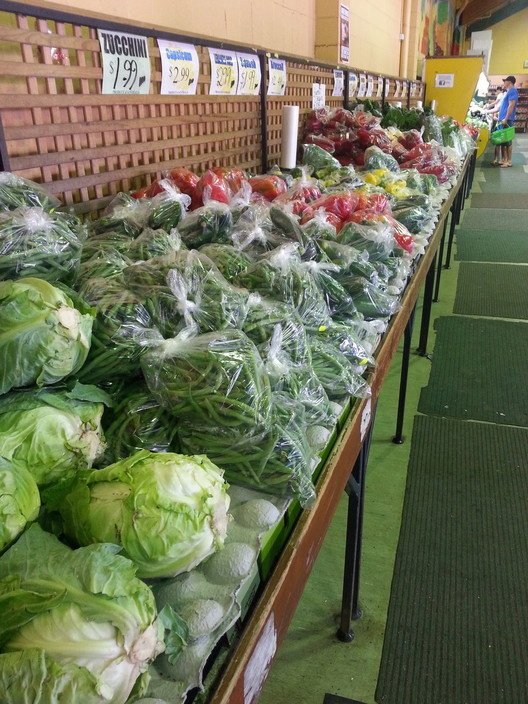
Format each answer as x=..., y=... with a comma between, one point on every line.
x=180, y=68
x=362, y=85
x=397, y=89
x=126, y=63
x=379, y=92
x=339, y=82
x=318, y=96
x=248, y=74
x=413, y=89
x=224, y=72
x=370, y=86
x=404, y=90
x=277, y=76
x=352, y=83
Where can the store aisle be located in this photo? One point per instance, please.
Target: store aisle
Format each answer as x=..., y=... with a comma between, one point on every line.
x=311, y=661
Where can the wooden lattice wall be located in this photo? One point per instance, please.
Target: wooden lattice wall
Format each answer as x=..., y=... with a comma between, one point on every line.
x=59, y=129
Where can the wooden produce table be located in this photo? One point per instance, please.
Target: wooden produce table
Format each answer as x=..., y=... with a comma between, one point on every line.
x=245, y=671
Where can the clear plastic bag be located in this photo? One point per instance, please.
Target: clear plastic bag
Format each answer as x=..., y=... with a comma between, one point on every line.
x=155, y=243
x=186, y=289
x=212, y=380
x=124, y=215
x=347, y=340
x=138, y=422
x=370, y=300
x=17, y=192
x=320, y=226
x=210, y=223
x=168, y=208
x=40, y=244
x=121, y=327
x=349, y=260
x=263, y=315
x=375, y=158
x=338, y=300
x=231, y=262
x=318, y=158
x=106, y=263
x=280, y=274
x=376, y=239
x=336, y=372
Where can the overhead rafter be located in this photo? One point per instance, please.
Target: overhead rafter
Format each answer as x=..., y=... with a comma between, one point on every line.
x=482, y=14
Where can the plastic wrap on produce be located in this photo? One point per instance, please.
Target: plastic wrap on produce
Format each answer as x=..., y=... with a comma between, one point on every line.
x=16, y=192
x=44, y=245
x=209, y=597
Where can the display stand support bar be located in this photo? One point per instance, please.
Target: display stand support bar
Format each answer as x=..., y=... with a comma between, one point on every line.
x=407, y=336
x=354, y=531
x=440, y=263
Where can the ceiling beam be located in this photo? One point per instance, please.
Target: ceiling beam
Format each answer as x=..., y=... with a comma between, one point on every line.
x=480, y=9
x=502, y=13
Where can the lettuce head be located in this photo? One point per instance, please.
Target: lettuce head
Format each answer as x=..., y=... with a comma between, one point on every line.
x=19, y=501
x=167, y=511
x=43, y=338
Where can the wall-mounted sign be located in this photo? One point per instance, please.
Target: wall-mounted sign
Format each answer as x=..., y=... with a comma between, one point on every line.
x=277, y=76
x=180, y=68
x=224, y=72
x=379, y=92
x=370, y=86
x=318, y=96
x=444, y=80
x=344, y=33
x=339, y=82
x=126, y=63
x=248, y=74
x=352, y=83
x=362, y=85
x=397, y=89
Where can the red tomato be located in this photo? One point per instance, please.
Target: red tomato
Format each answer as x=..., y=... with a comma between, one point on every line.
x=234, y=177
x=340, y=204
x=379, y=203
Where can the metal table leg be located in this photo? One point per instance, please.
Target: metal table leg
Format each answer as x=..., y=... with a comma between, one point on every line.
x=407, y=335
x=354, y=533
x=439, y=263
x=455, y=217
x=426, y=310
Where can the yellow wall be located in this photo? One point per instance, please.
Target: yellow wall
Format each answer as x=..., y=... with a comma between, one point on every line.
x=454, y=100
x=281, y=25
x=510, y=45
x=374, y=33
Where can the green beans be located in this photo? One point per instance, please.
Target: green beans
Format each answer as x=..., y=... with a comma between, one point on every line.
x=336, y=372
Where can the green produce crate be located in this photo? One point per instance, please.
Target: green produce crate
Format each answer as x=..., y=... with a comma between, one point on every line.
x=501, y=136
x=272, y=543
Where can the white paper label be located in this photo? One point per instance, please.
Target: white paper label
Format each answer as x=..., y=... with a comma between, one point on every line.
x=444, y=80
x=397, y=89
x=248, y=74
x=352, y=83
x=126, y=63
x=404, y=89
x=362, y=85
x=339, y=82
x=344, y=33
x=413, y=89
x=370, y=86
x=224, y=72
x=318, y=96
x=180, y=68
x=277, y=76
x=379, y=92
x=259, y=663
x=365, y=419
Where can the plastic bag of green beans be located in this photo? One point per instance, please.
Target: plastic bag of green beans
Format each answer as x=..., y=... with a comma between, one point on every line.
x=40, y=244
x=213, y=380
x=16, y=192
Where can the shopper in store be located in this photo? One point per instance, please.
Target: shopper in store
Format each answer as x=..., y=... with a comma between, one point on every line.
x=507, y=116
x=492, y=108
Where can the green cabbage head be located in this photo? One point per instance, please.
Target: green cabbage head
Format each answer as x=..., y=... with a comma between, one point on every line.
x=43, y=337
x=19, y=501
x=52, y=434
x=77, y=626
x=168, y=511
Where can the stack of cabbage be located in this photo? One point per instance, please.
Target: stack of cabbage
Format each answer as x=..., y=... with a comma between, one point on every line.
x=81, y=625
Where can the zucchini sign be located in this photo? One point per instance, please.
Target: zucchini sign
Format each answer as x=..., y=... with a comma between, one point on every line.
x=126, y=63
